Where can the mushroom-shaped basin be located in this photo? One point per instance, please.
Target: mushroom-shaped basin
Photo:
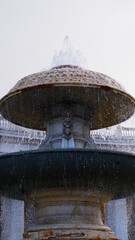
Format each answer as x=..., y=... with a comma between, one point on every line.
x=30, y=101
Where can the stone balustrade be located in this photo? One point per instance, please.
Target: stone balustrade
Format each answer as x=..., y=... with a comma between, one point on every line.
x=7, y=128
x=118, y=132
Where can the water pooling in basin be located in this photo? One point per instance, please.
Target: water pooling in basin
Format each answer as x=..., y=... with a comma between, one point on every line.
x=67, y=178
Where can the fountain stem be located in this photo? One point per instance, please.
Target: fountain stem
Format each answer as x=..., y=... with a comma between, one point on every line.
x=67, y=128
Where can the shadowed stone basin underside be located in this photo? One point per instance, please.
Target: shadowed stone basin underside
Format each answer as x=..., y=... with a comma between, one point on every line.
x=102, y=106
x=23, y=172
x=105, y=102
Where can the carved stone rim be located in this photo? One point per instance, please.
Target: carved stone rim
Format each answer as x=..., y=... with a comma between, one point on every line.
x=47, y=79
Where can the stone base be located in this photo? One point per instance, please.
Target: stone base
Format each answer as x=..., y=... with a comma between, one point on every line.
x=82, y=234
x=68, y=214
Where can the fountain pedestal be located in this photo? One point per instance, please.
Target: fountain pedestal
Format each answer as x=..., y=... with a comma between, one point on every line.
x=68, y=214
x=68, y=186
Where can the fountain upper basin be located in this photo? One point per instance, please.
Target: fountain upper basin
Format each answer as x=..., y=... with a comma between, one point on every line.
x=23, y=172
x=36, y=96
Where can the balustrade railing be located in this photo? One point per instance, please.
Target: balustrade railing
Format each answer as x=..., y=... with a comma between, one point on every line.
x=9, y=128
x=118, y=132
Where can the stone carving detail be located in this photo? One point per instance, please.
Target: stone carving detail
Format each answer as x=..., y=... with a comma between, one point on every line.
x=90, y=142
x=45, y=144
x=90, y=116
x=67, y=124
x=67, y=137
x=66, y=74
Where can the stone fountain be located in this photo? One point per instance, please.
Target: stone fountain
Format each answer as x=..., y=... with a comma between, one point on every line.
x=67, y=178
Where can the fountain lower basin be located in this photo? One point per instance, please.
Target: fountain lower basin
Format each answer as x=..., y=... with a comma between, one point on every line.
x=68, y=188
x=26, y=171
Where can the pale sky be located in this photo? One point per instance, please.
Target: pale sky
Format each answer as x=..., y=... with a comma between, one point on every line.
x=31, y=30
